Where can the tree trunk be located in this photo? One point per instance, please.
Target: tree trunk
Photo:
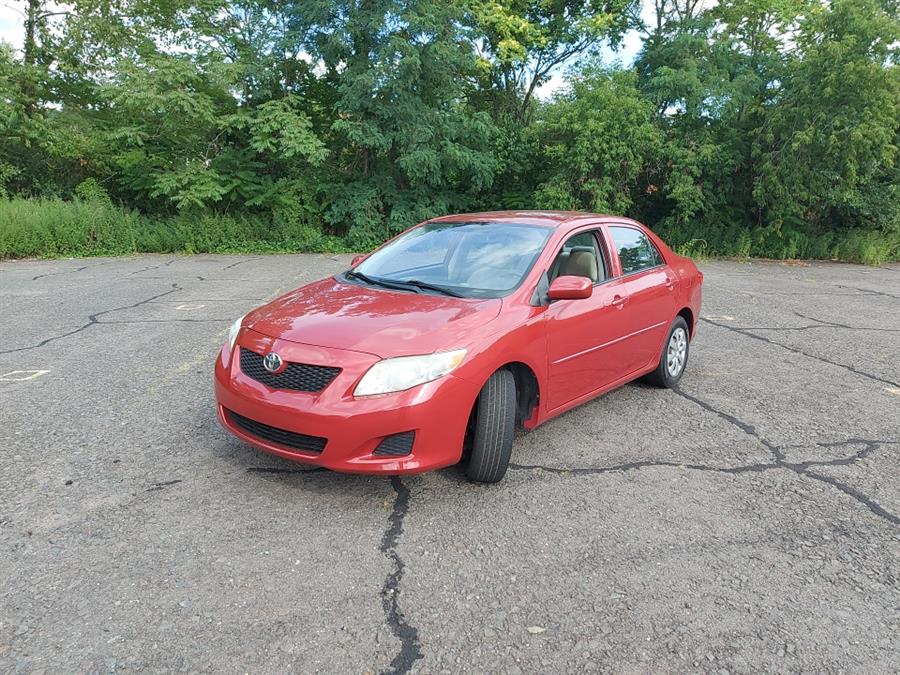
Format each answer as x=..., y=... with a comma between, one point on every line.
x=32, y=17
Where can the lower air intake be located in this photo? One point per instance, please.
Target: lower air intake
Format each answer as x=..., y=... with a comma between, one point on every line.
x=283, y=437
x=397, y=445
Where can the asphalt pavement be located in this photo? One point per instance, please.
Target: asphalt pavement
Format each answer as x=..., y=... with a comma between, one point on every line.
x=748, y=522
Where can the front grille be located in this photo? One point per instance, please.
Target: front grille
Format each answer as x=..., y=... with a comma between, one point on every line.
x=289, y=439
x=396, y=445
x=296, y=376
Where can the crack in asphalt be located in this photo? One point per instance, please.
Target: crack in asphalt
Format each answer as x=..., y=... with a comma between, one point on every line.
x=163, y=485
x=72, y=271
x=870, y=447
x=820, y=323
x=642, y=464
x=53, y=274
x=835, y=324
x=748, y=429
x=410, y=649
x=859, y=496
x=199, y=278
x=795, y=294
x=802, y=468
x=792, y=329
x=93, y=320
x=779, y=461
x=868, y=291
x=151, y=267
x=796, y=350
x=241, y=262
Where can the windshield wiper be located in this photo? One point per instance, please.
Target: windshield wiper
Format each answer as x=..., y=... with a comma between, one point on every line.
x=384, y=283
x=432, y=287
x=403, y=284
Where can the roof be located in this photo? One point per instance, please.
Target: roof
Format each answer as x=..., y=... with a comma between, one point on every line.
x=543, y=218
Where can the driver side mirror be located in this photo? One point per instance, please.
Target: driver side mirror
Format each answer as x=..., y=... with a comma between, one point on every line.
x=569, y=287
x=356, y=260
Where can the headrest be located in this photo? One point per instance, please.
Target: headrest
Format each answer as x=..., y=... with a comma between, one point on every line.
x=580, y=264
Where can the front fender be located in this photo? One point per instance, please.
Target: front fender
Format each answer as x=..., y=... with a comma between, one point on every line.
x=525, y=344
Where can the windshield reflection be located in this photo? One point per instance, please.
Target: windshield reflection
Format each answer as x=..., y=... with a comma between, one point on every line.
x=478, y=260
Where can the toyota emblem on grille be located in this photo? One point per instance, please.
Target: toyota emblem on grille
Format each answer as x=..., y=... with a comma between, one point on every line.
x=272, y=362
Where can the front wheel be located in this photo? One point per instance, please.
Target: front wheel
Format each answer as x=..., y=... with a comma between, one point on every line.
x=495, y=418
x=674, y=356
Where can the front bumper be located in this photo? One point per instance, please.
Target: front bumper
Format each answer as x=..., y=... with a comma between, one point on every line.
x=437, y=412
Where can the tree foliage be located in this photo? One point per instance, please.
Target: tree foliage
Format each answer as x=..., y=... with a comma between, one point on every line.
x=765, y=127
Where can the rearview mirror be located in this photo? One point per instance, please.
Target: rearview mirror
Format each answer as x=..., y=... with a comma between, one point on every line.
x=356, y=260
x=569, y=287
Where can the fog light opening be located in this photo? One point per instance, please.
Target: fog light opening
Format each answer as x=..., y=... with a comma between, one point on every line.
x=396, y=445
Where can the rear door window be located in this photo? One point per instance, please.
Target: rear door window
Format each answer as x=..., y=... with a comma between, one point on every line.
x=636, y=251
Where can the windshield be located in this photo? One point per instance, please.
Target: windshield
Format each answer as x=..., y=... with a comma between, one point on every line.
x=473, y=260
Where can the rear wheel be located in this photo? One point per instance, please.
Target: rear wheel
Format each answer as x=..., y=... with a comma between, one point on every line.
x=495, y=418
x=674, y=356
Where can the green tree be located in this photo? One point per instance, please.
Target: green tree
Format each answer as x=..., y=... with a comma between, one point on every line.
x=18, y=131
x=185, y=140
x=406, y=145
x=686, y=72
x=522, y=42
x=602, y=144
x=828, y=148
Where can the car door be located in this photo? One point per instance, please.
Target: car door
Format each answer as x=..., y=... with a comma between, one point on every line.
x=584, y=336
x=646, y=285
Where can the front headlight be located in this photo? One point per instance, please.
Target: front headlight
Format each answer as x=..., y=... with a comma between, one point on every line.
x=233, y=332
x=405, y=372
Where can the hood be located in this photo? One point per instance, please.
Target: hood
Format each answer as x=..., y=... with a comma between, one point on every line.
x=383, y=322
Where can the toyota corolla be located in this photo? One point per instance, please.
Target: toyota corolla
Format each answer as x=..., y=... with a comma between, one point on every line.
x=428, y=351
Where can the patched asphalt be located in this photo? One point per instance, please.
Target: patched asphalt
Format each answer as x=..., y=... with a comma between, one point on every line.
x=749, y=521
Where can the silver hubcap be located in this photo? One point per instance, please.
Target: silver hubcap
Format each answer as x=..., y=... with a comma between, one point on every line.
x=676, y=352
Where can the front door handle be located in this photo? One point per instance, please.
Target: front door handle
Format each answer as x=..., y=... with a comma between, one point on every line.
x=618, y=302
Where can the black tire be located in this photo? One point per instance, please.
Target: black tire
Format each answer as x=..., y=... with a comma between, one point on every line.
x=495, y=419
x=662, y=376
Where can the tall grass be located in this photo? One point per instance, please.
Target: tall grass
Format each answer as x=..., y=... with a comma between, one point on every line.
x=49, y=228
x=54, y=228
x=872, y=247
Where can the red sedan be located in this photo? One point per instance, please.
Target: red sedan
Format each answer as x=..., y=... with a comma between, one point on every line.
x=430, y=349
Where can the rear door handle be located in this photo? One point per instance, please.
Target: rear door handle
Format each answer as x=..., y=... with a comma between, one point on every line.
x=618, y=301
x=670, y=283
